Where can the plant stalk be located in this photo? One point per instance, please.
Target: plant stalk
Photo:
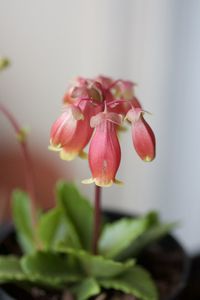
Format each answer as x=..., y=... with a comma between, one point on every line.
x=97, y=219
x=25, y=152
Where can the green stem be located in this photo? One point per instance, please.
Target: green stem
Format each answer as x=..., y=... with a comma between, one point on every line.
x=97, y=219
x=28, y=165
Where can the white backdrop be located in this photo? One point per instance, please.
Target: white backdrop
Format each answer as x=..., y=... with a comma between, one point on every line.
x=155, y=43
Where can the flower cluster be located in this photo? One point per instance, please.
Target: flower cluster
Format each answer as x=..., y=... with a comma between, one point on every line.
x=95, y=109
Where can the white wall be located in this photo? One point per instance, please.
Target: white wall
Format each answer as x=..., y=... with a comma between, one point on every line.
x=181, y=192
x=152, y=42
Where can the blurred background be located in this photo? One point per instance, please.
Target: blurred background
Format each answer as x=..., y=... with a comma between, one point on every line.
x=155, y=43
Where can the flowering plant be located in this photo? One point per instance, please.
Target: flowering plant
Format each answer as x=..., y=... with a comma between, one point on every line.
x=72, y=247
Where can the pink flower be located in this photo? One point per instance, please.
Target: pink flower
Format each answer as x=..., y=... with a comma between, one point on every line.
x=82, y=134
x=142, y=134
x=64, y=127
x=104, y=152
x=71, y=132
x=99, y=105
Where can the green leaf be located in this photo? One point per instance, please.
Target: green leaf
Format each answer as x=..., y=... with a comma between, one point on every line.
x=50, y=269
x=96, y=265
x=154, y=231
x=135, y=281
x=40, y=268
x=78, y=210
x=21, y=211
x=117, y=236
x=10, y=269
x=86, y=289
x=151, y=235
x=54, y=229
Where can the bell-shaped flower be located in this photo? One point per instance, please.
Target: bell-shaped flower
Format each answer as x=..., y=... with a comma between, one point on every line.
x=71, y=132
x=64, y=127
x=82, y=134
x=142, y=134
x=104, y=151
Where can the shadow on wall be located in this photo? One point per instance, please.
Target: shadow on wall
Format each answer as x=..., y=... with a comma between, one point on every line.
x=12, y=175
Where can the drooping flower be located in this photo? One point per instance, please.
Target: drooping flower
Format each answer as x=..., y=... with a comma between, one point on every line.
x=98, y=105
x=64, y=127
x=142, y=135
x=71, y=132
x=82, y=134
x=104, y=151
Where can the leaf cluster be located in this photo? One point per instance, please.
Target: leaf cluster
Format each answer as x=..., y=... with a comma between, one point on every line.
x=58, y=255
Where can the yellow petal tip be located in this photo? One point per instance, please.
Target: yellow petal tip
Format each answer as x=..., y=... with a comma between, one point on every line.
x=56, y=148
x=103, y=183
x=118, y=182
x=148, y=159
x=68, y=155
x=88, y=181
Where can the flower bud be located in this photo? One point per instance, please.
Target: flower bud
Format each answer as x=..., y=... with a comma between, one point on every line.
x=142, y=134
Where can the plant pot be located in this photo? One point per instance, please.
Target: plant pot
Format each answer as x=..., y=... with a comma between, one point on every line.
x=192, y=289
x=166, y=260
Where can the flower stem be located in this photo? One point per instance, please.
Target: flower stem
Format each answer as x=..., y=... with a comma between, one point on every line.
x=21, y=136
x=97, y=219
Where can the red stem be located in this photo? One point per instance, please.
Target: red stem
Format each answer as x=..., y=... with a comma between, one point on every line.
x=28, y=165
x=97, y=219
